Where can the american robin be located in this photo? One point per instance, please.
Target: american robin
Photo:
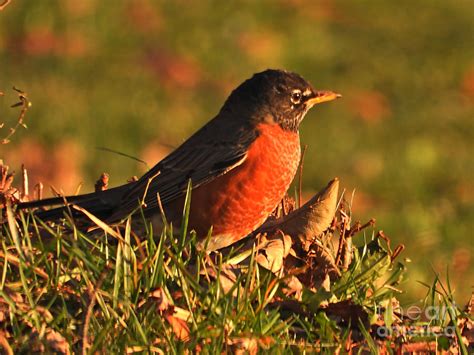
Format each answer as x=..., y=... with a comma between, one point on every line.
x=240, y=164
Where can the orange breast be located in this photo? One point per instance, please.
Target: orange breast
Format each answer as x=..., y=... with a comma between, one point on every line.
x=239, y=201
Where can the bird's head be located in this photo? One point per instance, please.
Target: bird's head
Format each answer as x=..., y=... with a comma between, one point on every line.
x=277, y=97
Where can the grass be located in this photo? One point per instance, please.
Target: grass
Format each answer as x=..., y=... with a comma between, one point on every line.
x=135, y=77
x=143, y=75
x=63, y=290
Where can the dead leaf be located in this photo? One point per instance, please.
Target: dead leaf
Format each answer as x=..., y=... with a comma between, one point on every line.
x=266, y=342
x=57, y=342
x=227, y=279
x=311, y=219
x=243, y=345
x=53, y=342
x=162, y=301
x=227, y=276
x=179, y=326
x=320, y=268
x=273, y=251
x=293, y=287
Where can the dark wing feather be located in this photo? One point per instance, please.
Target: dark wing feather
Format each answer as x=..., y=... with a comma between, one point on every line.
x=77, y=199
x=101, y=204
x=216, y=148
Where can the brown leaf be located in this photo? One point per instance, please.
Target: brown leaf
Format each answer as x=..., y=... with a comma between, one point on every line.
x=320, y=268
x=243, y=345
x=273, y=251
x=53, y=342
x=162, y=301
x=227, y=276
x=311, y=219
x=179, y=326
x=266, y=342
x=57, y=342
x=293, y=287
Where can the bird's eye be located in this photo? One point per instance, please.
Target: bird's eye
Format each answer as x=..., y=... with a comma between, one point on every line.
x=296, y=97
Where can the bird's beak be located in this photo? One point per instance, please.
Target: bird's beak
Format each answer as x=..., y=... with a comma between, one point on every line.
x=322, y=96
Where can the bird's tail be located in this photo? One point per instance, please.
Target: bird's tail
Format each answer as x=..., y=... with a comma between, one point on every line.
x=101, y=204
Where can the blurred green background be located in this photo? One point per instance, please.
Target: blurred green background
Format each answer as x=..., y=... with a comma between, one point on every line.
x=140, y=76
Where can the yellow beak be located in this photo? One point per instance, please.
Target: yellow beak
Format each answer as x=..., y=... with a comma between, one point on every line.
x=322, y=96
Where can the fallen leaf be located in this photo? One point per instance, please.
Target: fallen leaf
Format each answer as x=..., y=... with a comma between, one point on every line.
x=227, y=276
x=311, y=219
x=243, y=345
x=273, y=251
x=162, y=301
x=293, y=287
x=179, y=326
x=57, y=342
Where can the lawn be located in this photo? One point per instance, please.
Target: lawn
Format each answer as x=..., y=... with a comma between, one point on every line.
x=140, y=76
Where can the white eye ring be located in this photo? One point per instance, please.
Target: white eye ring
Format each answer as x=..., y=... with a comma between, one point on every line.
x=296, y=97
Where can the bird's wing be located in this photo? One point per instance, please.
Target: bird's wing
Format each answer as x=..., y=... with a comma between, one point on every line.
x=216, y=148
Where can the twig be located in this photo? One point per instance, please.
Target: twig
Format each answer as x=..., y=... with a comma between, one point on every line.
x=357, y=227
x=345, y=243
x=25, y=105
x=39, y=191
x=345, y=226
x=397, y=251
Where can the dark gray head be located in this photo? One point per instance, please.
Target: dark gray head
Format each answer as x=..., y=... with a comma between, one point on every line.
x=275, y=96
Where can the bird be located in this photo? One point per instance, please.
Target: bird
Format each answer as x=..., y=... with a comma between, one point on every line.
x=240, y=164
